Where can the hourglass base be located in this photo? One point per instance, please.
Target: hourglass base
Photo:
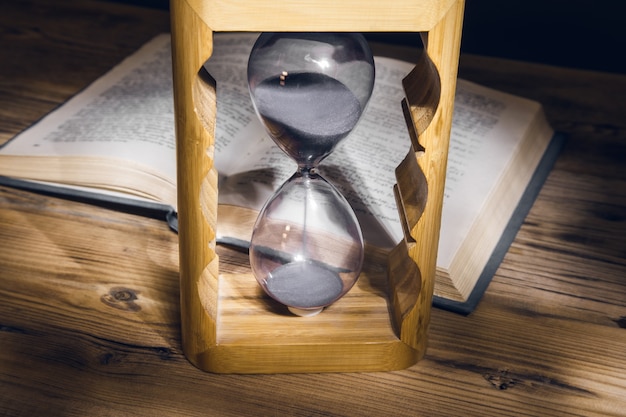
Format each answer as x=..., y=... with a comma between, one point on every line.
x=257, y=335
x=301, y=312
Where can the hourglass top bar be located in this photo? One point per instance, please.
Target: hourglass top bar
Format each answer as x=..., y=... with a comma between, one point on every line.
x=321, y=15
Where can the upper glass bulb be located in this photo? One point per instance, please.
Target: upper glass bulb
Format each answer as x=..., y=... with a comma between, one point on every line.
x=310, y=89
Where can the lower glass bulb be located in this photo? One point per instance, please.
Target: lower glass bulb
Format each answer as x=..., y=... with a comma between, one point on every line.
x=307, y=248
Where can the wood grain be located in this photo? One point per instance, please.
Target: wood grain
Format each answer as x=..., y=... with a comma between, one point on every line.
x=89, y=311
x=321, y=15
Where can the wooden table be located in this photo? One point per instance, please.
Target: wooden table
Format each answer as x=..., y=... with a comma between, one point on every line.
x=89, y=316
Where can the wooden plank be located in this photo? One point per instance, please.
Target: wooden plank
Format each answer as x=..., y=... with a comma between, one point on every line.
x=83, y=322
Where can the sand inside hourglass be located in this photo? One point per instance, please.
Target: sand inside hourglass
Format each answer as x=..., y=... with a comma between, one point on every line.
x=307, y=113
x=304, y=284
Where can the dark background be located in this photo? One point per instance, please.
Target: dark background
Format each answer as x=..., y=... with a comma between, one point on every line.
x=573, y=33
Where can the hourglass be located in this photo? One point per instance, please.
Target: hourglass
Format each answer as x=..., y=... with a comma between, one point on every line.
x=382, y=324
x=309, y=90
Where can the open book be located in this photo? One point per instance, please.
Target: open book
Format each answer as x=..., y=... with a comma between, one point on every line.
x=114, y=144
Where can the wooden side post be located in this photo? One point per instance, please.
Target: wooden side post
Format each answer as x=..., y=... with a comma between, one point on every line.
x=430, y=90
x=199, y=265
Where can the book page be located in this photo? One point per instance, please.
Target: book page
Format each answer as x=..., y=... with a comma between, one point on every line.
x=239, y=134
x=127, y=115
x=362, y=166
x=249, y=165
x=487, y=127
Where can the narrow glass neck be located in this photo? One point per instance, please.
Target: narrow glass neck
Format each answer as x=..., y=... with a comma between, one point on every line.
x=307, y=171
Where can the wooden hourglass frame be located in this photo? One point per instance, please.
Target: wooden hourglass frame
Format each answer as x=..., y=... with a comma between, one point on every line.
x=382, y=323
